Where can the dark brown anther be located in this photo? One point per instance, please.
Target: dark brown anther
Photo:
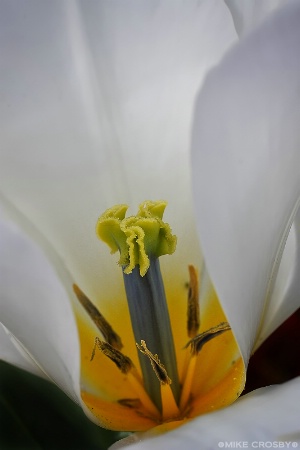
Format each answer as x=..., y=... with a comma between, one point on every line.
x=107, y=332
x=121, y=361
x=157, y=366
x=132, y=403
x=193, y=311
x=199, y=341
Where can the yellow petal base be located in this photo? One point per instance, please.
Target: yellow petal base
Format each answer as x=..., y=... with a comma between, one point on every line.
x=211, y=380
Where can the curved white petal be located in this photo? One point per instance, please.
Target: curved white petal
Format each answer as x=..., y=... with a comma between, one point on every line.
x=12, y=354
x=96, y=107
x=35, y=308
x=248, y=14
x=285, y=296
x=267, y=416
x=246, y=163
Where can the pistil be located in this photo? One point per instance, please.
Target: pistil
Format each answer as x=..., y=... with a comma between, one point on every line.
x=141, y=239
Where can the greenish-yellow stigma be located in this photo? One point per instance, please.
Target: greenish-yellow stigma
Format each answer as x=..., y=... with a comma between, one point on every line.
x=138, y=238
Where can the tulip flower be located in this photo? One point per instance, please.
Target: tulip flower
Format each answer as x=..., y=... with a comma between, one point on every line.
x=98, y=113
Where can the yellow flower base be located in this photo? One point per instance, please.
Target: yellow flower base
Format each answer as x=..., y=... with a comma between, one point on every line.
x=211, y=380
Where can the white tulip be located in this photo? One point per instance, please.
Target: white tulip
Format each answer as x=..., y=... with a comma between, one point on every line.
x=97, y=108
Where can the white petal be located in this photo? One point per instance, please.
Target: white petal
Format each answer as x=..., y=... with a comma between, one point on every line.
x=267, y=416
x=248, y=14
x=96, y=109
x=35, y=308
x=284, y=300
x=246, y=163
x=12, y=354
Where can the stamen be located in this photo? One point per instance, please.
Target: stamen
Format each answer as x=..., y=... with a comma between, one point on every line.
x=170, y=409
x=193, y=310
x=196, y=344
x=109, y=335
x=188, y=381
x=122, y=362
x=125, y=365
x=199, y=341
x=132, y=403
x=157, y=366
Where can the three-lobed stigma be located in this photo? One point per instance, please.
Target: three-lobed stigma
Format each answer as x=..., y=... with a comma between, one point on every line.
x=138, y=238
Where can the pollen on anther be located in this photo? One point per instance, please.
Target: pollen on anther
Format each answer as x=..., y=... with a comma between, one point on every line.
x=193, y=309
x=121, y=361
x=109, y=335
x=157, y=366
x=201, y=339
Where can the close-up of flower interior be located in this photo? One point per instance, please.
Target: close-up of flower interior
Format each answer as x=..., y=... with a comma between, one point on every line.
x=149, y=224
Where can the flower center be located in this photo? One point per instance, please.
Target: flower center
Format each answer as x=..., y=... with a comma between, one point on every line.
x=163, y=393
